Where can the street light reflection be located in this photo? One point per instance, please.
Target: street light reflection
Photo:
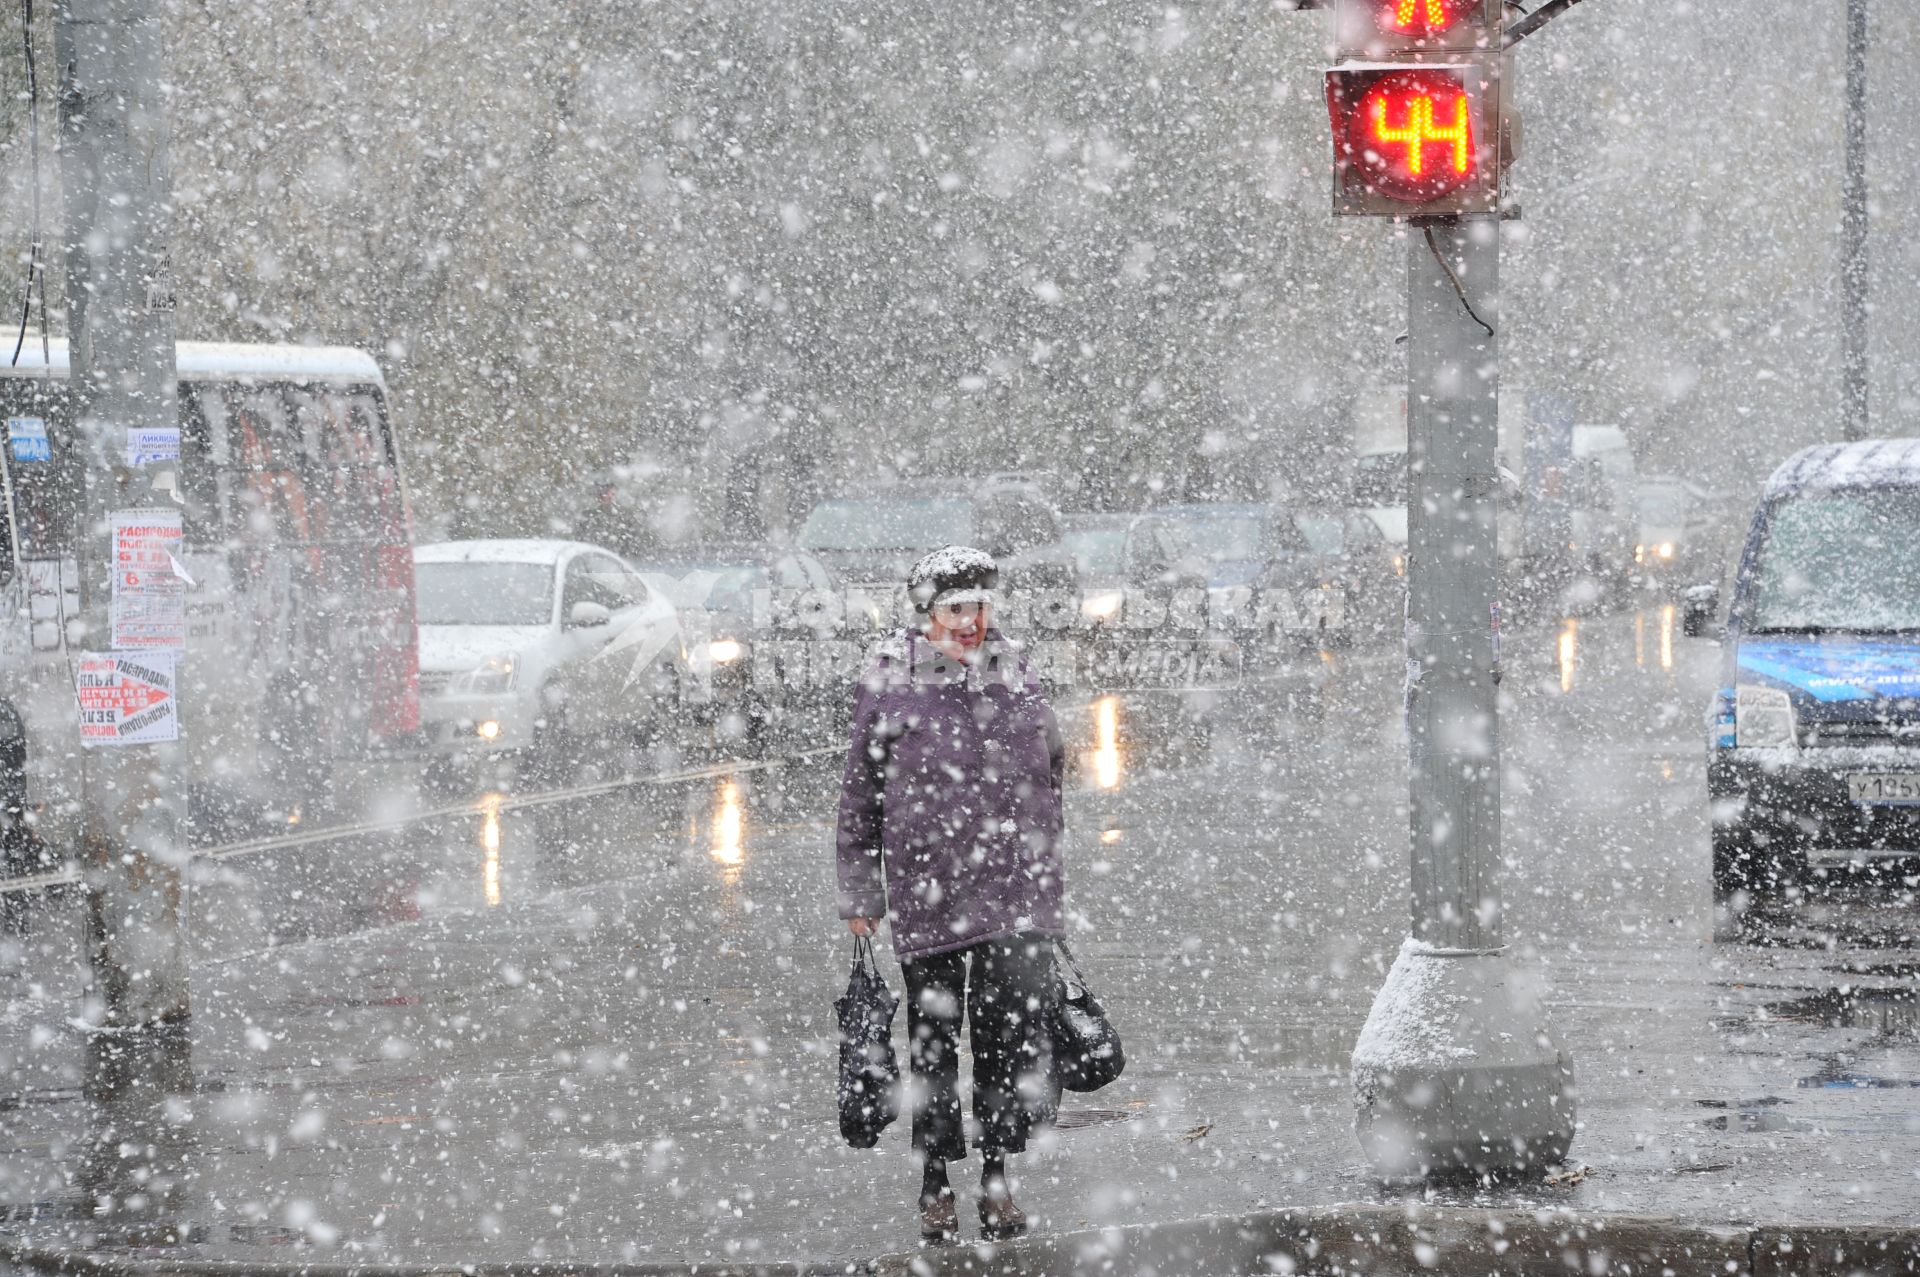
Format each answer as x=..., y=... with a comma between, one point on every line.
x=1639, y=638
x=490, y=843
x=1666, y=636
x=1106, y=742
x=728, y=826
x=1569, y=653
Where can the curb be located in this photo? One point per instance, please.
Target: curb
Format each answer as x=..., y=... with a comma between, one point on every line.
x=1336, y=1242
x=1454, y=1242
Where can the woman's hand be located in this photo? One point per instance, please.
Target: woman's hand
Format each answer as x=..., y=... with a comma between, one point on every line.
x=864, y=926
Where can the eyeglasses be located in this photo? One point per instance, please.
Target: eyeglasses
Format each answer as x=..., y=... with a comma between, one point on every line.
x=953, y=614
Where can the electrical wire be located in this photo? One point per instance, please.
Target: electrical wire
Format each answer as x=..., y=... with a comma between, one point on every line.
x=1434, y=248
x=34, y=272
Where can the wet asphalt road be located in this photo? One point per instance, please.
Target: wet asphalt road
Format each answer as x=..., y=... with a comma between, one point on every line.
x=602, y=1028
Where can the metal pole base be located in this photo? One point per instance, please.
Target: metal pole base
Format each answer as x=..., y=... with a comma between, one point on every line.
x=1456, y=1070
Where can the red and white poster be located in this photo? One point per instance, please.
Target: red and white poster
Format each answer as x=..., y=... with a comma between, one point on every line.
x=149, y=585
x=126, y=698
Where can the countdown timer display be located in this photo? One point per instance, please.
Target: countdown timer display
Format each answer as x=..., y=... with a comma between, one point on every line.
x=1410, y=135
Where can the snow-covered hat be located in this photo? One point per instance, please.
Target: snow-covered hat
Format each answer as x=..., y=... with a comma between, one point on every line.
x=952, y=574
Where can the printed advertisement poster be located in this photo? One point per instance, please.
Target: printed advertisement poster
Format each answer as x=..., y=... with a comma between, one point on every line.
x=27, y=436
x=126, y=698
x=149, y=590
x=152, y=445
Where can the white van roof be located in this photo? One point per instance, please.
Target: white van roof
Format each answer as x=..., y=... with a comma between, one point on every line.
x=1588, y=440
x=1870, y=463
x=229, y=361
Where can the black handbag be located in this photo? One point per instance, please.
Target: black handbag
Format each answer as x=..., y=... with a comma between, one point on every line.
x=1086, y=1047
x=869, y=1089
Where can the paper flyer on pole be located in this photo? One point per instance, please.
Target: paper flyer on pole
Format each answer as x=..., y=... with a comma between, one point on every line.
x=149, y=595
x=152, y=445
x=27, y=436
x=127, y=698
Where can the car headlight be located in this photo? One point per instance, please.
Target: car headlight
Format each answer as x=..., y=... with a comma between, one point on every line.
x=1762, y=717
x=495, y=674
x=1665, y=550
x=725, y=651
x=1102, y=605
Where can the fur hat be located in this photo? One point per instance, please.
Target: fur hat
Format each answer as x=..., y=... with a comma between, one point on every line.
x=952, y=574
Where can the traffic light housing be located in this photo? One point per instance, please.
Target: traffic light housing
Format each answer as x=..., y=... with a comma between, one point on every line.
x=1415, y=106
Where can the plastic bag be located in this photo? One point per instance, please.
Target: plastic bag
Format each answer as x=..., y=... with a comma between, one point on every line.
x=869, y=1090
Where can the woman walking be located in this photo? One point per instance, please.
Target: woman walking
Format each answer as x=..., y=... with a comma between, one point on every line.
x=950, y=818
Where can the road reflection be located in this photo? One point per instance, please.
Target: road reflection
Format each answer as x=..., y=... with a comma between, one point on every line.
x=729, y=823
x=1106, y=743
x=1568, y=649
x=1664, y=646
x=490, y=844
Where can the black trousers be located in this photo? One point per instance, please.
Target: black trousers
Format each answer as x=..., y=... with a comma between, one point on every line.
x=1003, y=985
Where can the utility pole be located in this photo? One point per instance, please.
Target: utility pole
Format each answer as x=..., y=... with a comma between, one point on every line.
x=1456, y=1069
x=116, y=191
x=1853, y=232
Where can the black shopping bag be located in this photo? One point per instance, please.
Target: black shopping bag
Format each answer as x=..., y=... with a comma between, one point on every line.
x=869, y=1088
x=1086, y=1047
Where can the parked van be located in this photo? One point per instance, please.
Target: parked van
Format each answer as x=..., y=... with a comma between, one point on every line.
x=300, y=650
x=1814, y=736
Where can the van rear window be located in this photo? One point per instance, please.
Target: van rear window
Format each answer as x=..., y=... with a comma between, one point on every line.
x=1839, y=561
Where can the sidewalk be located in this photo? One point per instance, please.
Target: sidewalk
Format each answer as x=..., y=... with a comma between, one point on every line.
x=545, y=1086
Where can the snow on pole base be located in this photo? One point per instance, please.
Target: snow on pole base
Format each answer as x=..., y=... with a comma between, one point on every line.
x=1456, y=1069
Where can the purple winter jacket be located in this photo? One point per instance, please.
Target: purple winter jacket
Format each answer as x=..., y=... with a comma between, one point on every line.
x=950, y=805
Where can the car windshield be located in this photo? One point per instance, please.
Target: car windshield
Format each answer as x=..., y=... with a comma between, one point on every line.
x=718, y=587
x=1666, y=507
x=1099, y=551
x=898, y=524
x=1226, y=538
x=483, y=593
x=1324, y=533
x=1840, y=561
x=1380, y=479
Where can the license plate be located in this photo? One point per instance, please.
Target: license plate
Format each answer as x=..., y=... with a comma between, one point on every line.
x=1884, y=787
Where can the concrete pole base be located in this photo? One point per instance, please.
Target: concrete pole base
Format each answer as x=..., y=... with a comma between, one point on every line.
x=1456, y=1070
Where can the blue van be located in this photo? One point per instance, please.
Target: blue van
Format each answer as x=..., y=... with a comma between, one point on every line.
x=1814, y=734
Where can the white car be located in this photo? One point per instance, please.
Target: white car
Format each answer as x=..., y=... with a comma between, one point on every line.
x=530, y=645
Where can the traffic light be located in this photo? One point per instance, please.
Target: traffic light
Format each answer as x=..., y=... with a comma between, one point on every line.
x=1415, y=106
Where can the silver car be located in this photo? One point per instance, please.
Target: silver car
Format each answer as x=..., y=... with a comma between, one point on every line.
x=537, y=645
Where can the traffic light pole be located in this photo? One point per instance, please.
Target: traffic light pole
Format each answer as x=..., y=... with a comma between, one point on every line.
x=1455, y=1070
x=115, y=184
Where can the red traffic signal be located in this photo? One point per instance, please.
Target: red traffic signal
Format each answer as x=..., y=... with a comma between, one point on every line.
x=1420, y=19
x=1415, y=103
x=1412, y=140
x=1376, y=28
